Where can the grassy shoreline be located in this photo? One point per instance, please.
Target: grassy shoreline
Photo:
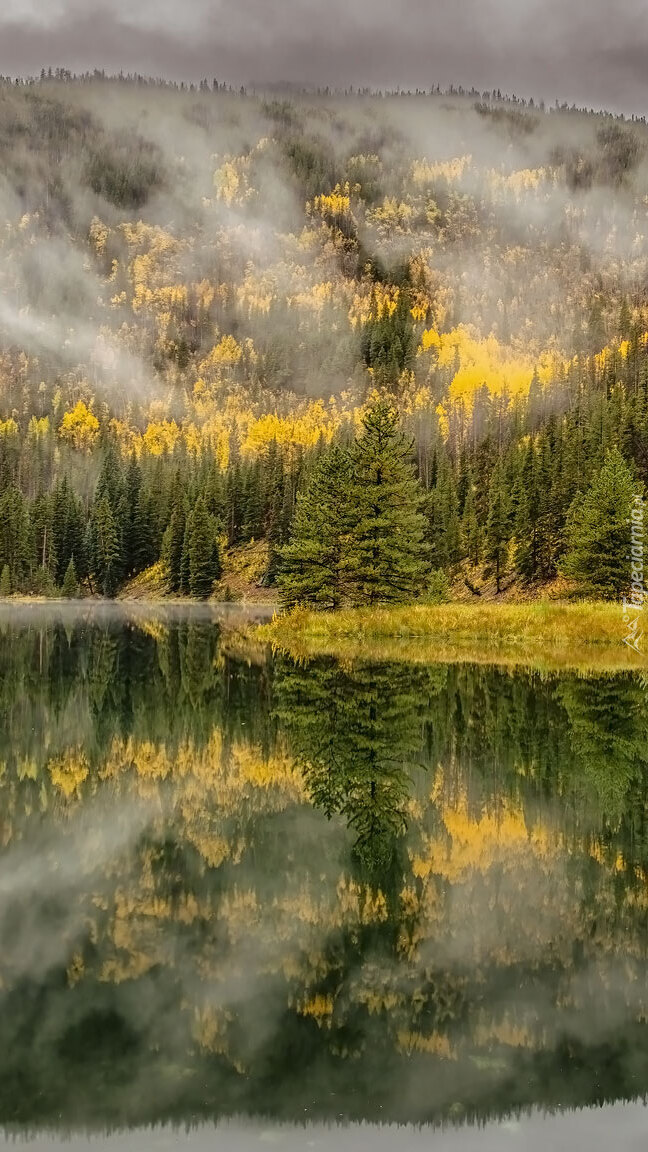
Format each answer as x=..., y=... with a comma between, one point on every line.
x=549, y=634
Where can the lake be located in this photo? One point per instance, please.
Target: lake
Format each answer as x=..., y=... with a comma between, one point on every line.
x=246, y=899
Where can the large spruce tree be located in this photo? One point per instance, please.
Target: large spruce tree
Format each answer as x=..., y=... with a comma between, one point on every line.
x=314, y=564
x=204, y=557
x=172, y=545
x=388, y=556
x=598, y=531
x=14, y=535
x=70, y=587
x=498, y=525
x=105, y=547
x=359, y=530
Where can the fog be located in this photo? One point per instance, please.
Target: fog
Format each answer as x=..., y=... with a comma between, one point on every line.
x=150, y=165
x=574, y=52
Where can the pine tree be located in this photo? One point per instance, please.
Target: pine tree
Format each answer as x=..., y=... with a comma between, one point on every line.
x=172, y=546
x=253, y=503
x=526, y=500
x=234, y=504
x=443, y=515
x=599, y=533
x=142, y=548
x=471, y=534
x=204, y=559
x=15, y=543
x=70, y=584
x=67, y=532
x=5, y=581
x=59, y=528
x=387, y=556
x=43, y=548
x=275, y=499
x=135, y=529
x=105, y=547
x=76, y=537
x=185, y=559
x=498, y=528
x=313, y=566
x=214, y=492
x=109, y=522
x=535, y=403
x=109, y=483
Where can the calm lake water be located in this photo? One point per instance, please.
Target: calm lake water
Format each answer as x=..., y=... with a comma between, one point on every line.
x=242, y=895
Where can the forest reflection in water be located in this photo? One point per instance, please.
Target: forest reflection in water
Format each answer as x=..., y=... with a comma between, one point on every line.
x=321, y=891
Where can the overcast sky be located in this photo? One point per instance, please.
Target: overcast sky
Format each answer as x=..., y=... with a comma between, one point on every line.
x=588, y=51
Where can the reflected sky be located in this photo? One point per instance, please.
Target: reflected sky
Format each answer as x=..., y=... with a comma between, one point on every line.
x=622, y=1127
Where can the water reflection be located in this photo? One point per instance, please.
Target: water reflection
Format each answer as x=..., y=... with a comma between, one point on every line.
x=231, y=884
x=357, y=734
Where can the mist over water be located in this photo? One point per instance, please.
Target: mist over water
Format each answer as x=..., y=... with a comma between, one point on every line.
x=623, y=1125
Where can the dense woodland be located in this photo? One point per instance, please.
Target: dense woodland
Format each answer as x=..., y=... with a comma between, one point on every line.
x=205, y=293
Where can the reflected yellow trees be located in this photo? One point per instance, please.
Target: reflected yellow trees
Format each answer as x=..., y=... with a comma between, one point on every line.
x=375, y=887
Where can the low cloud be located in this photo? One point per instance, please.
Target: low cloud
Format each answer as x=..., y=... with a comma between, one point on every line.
x=541, y=47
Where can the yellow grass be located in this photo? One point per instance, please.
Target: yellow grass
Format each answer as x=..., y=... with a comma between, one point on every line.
x=587, y=636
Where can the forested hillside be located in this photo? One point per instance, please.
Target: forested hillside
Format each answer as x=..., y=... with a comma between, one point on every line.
x=202, y=292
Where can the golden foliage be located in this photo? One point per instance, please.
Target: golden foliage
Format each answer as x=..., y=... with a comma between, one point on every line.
x=9, y=429
x=161, y=437
x=475, y=364
x=80, y=427
x=449, y=171
x=392, y=216
x=337, y=203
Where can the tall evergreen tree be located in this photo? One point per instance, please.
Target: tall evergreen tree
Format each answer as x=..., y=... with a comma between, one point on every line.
x=313, y=566
x=234, y=504
x=498, y=526
x=599, y=540
x=15, y=550
x=443, y=515
x=387, y=554
x=471, y=533
x=142, y=547
x=172, y=546
x=527, y=527
x=70, y=584
x=253, y=503
x=185, y=559
x=135, y=529
x=105, y=547
x=67, y=532
x=204, y=559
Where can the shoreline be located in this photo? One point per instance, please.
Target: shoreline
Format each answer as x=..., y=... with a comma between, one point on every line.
x=587, y=635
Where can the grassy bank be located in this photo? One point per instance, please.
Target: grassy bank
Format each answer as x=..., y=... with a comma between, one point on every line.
x=588, y=636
